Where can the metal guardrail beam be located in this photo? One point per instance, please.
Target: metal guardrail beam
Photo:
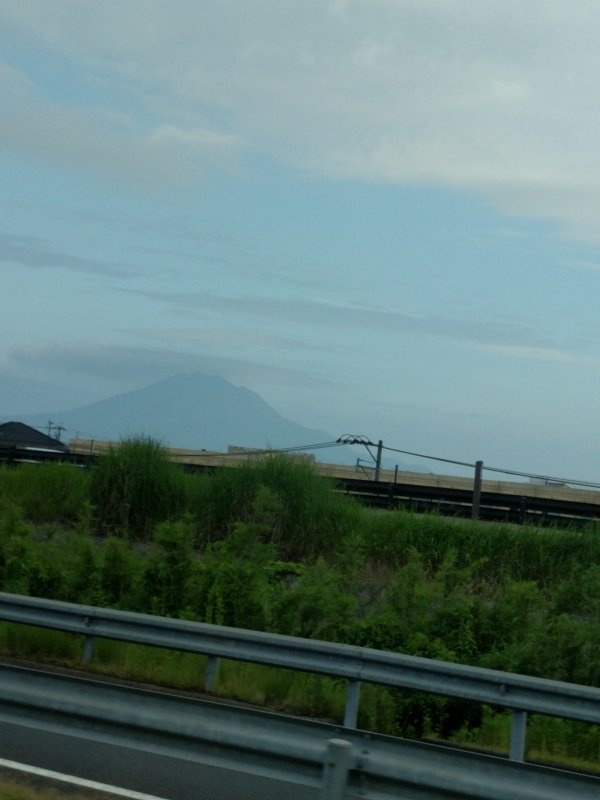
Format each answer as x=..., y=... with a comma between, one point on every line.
x=335, y=761
x=503, y=689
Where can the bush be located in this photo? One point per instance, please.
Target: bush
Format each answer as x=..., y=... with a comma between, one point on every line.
x=135, y=486
x=285, y=502
x=47, y=493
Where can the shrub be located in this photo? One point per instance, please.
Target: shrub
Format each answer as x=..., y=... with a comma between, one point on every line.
x=286, y=503
x=134, y=486
x=233, y=584
x=45, y=492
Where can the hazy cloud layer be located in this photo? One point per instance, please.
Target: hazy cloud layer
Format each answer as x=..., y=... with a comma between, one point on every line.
x=139, y=365
x=497, y=97
x=514, y=339
x=29, y=251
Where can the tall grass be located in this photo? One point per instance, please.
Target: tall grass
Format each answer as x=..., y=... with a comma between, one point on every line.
x=285, y=502
x=522, y=552
x=46, y=493
x=134, y=486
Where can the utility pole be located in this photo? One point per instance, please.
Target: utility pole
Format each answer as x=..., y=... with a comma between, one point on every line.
x=476, y=490
x=378, y=459
x=366, y=442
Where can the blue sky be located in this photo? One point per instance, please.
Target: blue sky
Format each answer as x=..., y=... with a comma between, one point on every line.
x=381, y=215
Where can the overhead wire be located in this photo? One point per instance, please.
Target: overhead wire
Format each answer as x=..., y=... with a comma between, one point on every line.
x=366, y=442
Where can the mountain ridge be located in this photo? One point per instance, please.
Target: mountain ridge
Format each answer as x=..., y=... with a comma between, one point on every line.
x=190, y=410
x=193, y=411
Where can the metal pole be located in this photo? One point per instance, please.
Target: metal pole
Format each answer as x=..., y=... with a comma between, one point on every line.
x=352, y=702
x=518, y=733
x=476, y=490
x=211, y=673
x=335, y=769
x=378, y=461
x=89, y=648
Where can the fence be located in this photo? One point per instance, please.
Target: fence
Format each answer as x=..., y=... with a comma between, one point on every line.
x=518, y=693
x=303, y=758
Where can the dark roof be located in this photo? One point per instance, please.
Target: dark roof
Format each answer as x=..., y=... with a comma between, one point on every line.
x=17, y=434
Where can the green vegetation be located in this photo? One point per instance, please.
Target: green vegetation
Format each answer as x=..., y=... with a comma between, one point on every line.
x=17, y=791
x=20, y=786
x=271, y=547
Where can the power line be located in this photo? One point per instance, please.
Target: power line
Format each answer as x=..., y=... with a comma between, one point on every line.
x=347, y=439
x=542, y=477
x=431, y=458
x=353, y=439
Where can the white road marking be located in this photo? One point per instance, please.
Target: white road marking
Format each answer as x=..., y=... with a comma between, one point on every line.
x=85, y=784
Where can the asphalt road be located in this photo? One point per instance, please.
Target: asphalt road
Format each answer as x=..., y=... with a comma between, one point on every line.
x=153, y=774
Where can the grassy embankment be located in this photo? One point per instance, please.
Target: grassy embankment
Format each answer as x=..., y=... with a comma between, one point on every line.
x=16, y=791
x=23, y=787
x=271, y=547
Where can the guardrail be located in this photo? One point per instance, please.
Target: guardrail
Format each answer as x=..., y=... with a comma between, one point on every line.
x=519, y=693
x=304, y=757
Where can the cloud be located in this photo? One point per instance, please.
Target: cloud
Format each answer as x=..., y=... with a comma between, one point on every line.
x=111, y=144
x=135, y=366
x=253, y=340
x=539, y=354
x=494, y=98
x=473, y=331
x=29, y=251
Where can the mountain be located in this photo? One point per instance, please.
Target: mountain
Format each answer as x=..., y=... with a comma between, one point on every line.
x=190, y=411
x=196, y=412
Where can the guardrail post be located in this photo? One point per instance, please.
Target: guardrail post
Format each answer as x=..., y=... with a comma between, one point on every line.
x=518, y=733
x=476, y=490
x=335, y=769
x=211, y=673
x=89, y=648
x=352, y=701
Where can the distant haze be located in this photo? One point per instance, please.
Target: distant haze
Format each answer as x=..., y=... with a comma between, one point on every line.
x=193, y=411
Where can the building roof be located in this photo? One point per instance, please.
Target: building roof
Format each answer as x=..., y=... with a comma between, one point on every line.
x=17, y=434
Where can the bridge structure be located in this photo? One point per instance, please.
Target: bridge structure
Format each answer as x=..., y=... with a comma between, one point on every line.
x=500, y=500
x=305, y=758
x=495, y=500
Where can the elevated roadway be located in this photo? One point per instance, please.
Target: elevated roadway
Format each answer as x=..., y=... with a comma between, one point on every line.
x=509, y=501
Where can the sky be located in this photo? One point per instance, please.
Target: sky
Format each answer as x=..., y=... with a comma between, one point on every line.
x=381, y=215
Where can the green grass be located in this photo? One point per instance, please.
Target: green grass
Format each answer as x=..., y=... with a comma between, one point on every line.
x=20, y=790
x=46, y=493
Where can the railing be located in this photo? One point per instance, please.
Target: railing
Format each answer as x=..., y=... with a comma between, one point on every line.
x=305, y=758
x=519, y=693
